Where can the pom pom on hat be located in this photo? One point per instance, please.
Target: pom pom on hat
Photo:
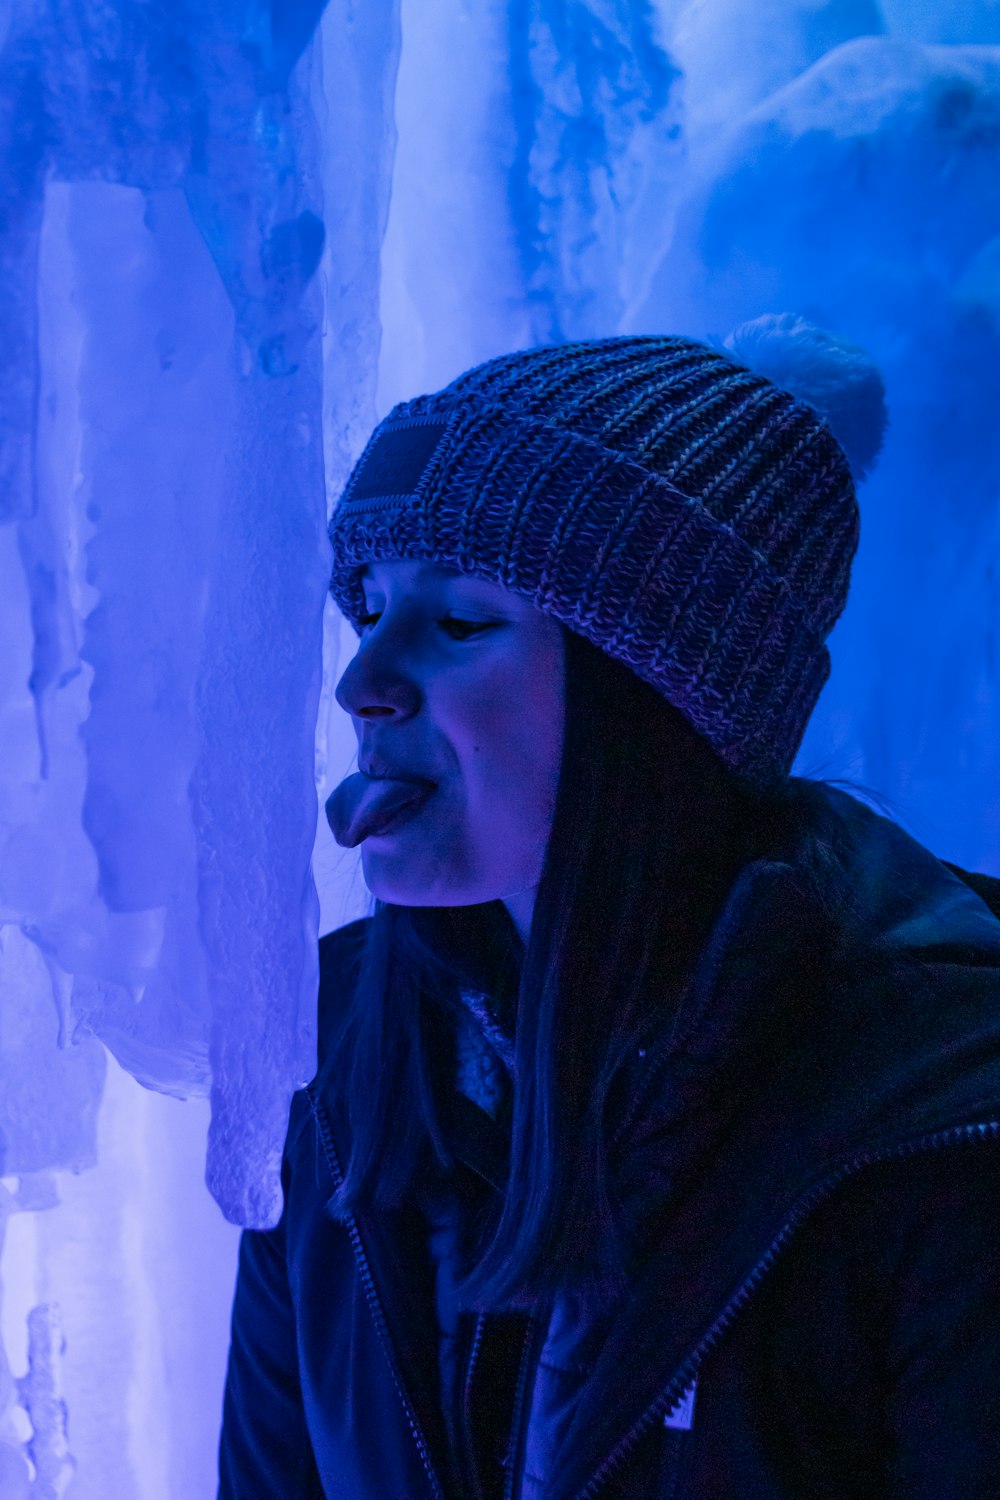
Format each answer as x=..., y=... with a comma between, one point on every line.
x=837, y=379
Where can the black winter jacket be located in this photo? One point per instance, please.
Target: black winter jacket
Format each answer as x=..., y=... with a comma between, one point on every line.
x=817, y=1310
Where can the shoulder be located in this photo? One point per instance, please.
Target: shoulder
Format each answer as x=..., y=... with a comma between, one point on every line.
x=922, y=1227
x=902, y=1241
x=342, y=948
x=340, y=955
x=339, y=959
x=885, y=1305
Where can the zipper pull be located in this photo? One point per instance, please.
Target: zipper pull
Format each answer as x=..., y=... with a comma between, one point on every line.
x=681, y=1415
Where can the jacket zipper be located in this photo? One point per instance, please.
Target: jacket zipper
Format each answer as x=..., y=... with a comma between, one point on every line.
x=470, y=1457
x=514, y=1436
x=517, y=1420
x=371, y=1293
x=669, y=1396
x=671, y=1393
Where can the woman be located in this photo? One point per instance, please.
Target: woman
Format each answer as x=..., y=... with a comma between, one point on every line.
x=653, y=1148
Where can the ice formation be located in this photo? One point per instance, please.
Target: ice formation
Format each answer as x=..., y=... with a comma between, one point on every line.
x=864, y=196
x=165, y=562
x=162, y=580
x=234, y=235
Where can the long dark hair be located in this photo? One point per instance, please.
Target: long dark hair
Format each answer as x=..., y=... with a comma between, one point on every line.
x=649, y=831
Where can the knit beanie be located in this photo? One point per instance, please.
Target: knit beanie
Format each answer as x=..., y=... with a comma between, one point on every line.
x=686, y=513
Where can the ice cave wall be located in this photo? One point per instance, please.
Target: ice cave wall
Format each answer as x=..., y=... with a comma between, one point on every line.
x=234, y=235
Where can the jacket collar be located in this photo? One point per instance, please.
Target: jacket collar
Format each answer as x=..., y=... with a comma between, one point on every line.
x=809, y=1041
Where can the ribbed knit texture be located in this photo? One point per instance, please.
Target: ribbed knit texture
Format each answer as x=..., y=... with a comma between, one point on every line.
x=683, y=513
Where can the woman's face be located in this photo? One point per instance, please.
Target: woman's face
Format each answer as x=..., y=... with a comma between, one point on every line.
x=459, y=682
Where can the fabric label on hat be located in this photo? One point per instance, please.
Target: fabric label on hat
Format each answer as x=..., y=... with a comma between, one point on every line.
x=396, y=461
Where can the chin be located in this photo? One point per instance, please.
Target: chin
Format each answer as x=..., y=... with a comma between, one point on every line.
x=421, y=893
x=408, y=891
x=393, y=874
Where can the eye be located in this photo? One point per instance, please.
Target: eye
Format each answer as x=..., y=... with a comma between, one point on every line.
x=464, y=628
x=459, y=630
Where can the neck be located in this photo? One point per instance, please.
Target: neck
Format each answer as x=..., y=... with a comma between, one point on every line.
x=520, y=906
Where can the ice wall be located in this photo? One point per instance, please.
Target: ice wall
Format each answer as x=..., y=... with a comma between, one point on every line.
x=162, y=586
x=864, y=195
x=530, y=191
x=734, y=55
x=197, y=320
x=163, y=477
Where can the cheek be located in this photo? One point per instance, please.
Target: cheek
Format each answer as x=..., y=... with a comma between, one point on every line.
x=514, y=731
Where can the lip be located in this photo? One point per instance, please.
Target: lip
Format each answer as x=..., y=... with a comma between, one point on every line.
x=380, y=770
x=406, y=812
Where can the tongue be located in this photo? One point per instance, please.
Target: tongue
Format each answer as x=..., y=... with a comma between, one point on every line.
x=360, y=805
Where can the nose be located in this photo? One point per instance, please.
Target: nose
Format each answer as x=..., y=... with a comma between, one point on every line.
x=375, y=685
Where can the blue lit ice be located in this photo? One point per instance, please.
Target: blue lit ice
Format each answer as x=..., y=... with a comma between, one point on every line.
x=229, y=244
